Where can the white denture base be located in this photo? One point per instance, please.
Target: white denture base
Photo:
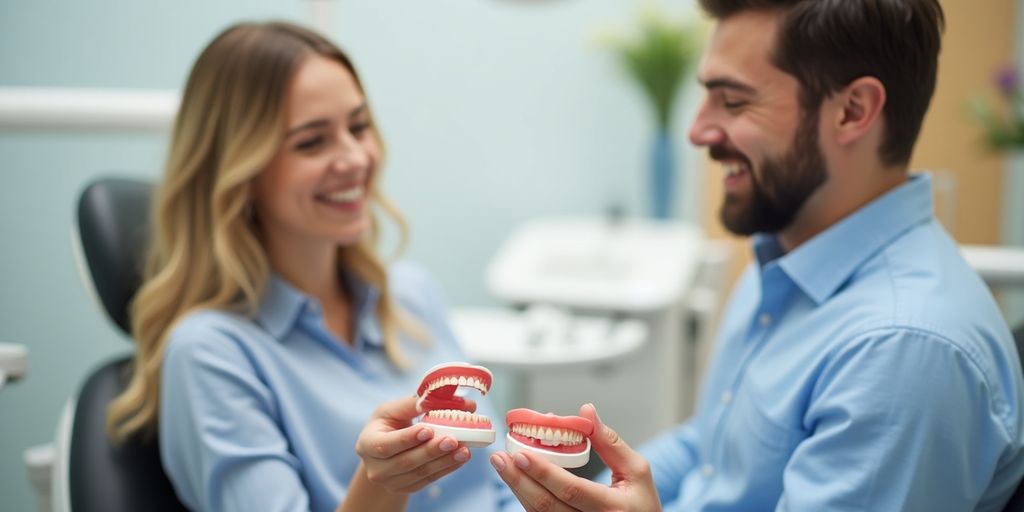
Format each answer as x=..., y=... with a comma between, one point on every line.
x=471, y=437
x=565, y=460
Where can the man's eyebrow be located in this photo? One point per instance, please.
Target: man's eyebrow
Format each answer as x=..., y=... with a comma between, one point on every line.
x=727, y=83
x=320, y=123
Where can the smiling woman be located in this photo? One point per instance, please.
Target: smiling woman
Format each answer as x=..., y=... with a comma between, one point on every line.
x=312, y=195
x=269, y=329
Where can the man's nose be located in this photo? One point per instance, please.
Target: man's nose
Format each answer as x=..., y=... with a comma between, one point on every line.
x=704, y=131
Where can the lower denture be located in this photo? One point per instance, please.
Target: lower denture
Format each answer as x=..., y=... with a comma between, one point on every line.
x=456, y=418
x=560, y=434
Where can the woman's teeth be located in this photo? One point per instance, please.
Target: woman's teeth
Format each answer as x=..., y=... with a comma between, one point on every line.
x=345, y=196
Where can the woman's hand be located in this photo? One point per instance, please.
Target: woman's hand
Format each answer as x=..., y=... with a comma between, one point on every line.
x=403, y=458
x=541, y=485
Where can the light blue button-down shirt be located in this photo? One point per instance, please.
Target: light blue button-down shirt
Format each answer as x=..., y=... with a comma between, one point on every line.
x=264, y=414
x=869, y=369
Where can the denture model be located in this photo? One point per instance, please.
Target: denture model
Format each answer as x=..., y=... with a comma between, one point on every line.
x=562, y=440
x=446, y=413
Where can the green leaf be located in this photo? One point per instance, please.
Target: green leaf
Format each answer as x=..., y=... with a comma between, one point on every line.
x=659, y=60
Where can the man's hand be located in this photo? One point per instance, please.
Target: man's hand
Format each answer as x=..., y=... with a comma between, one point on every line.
x=404, y=458
x=543, y=486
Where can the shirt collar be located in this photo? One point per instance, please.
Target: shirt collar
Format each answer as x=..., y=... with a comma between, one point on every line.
x=281, y=306
x=822, y=264
x=364, y=296
x=283, y=303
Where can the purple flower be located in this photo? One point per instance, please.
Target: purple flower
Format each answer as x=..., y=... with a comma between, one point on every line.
x=1007, y=81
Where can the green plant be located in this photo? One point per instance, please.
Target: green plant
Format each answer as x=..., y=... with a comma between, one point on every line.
x=1004, y=129
x=659, y=57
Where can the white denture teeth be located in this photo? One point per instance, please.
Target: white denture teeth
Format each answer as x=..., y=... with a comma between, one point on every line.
x=472, y=382
x=549, y=436
x=456, y=415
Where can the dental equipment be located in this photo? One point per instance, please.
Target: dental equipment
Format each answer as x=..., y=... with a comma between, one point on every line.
x=592, y=307
x=13, y=363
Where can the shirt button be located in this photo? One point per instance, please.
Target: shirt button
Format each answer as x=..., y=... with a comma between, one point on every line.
x=708, y=470
x=434, y=491
x=766, y=319
x=727, y=397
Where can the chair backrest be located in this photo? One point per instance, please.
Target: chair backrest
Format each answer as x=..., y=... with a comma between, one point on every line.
x=1016, y=503
x=113, y=225
x=106, y=477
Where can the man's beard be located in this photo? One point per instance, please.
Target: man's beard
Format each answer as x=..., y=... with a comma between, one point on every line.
x=786, y=183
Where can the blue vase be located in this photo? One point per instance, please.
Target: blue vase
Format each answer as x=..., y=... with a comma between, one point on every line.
x=662, y=178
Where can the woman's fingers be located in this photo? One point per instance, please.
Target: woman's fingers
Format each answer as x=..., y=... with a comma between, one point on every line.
x=385, y=445
x=411, y=465
x=402, y=457
x=401, y=410
x=431, y=471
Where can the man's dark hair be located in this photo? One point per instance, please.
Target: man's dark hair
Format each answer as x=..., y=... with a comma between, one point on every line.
x=826, y=44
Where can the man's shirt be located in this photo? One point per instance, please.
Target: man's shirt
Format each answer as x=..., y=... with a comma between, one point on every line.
x=868, y=369
x=263, y=414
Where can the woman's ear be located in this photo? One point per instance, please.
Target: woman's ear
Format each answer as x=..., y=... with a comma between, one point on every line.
x=859, y=109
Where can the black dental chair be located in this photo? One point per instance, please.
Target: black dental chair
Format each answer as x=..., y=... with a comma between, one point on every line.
x=1016, y=503
x=112, y=222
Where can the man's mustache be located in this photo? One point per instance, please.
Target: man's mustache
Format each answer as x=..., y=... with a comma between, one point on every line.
x=720, y=153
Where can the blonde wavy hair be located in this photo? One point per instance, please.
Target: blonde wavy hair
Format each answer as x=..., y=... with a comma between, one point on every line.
x=205, y=252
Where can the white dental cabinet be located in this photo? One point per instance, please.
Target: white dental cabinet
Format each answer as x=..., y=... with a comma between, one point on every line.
x=608, y=312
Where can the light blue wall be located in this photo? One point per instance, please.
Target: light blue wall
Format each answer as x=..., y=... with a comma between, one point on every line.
x=494, y=111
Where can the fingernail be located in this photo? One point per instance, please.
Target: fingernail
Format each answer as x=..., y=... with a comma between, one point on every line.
x=498, y=463
x=596, y=415
x=424, y=434
x=462, y=455
x=448, y=444
x=521, y=461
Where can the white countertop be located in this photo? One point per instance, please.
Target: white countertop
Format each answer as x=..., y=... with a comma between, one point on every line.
x=543, y=339
x=998, y=265
x=634, y=265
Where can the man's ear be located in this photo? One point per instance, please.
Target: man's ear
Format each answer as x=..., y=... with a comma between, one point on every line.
x=859, y=109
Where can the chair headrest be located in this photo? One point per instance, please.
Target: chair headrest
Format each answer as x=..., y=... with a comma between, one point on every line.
x=113, y=226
